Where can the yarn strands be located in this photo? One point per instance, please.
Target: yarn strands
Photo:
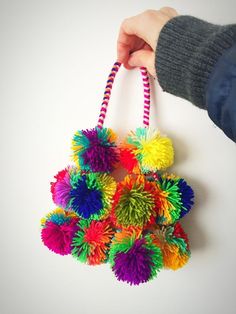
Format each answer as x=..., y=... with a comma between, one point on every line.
x=133, y=225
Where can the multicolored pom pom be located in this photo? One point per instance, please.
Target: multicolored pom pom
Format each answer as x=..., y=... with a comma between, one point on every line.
x=175, y=198
x=91, y=194
x=135, y=202
x=58, y=229
x=173, y=242
x=92, y=241
x=95, y=150
x=61, y=188
x=145, y=151
x=135, y=258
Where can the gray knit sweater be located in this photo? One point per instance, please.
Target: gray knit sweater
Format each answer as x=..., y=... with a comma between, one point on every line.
x=187, y=51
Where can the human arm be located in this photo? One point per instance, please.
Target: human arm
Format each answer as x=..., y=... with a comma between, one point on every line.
x=191, y=60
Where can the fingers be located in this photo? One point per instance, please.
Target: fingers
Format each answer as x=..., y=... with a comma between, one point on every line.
x=137, y=27
x=143, y=58
x=124, y=46
x=127, y=41
x=138, y=38
x=171, y=12
x=140, y=30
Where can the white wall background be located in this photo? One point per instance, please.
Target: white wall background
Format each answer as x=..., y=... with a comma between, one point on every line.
x=55, y=58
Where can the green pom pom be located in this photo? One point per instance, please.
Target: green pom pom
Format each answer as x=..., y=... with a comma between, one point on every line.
x=134, y=202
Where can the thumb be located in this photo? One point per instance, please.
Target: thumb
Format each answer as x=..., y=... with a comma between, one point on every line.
x=143, y=58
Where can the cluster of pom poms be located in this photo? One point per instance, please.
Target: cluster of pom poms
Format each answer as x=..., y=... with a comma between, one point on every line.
x=135, y=256
x=140, y=201
x=133, y=224
x=63, y=232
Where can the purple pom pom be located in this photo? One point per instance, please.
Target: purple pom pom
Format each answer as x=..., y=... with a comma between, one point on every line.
x=133, y=266
x=135, y=258
x=95, y=150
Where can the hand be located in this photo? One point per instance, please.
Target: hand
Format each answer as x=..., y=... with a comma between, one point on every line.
x=138, y=38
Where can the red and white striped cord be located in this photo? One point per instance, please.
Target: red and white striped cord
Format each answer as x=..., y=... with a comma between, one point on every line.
x=107, y=95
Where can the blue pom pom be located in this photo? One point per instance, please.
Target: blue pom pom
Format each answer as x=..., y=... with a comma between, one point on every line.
x=85, y=201
x=187, y=196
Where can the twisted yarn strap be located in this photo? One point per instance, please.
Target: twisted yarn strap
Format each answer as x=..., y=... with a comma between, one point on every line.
x=107, y=95
x=146, y=85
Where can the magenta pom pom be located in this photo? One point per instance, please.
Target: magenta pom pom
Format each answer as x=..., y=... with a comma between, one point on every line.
x=59, y=228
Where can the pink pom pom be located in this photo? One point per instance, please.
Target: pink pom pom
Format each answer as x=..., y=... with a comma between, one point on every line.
x=58, y=238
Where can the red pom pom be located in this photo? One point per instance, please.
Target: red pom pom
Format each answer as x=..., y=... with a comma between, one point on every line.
x=128, y=160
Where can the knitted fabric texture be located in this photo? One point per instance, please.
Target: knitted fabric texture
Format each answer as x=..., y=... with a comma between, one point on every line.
x=186, y=53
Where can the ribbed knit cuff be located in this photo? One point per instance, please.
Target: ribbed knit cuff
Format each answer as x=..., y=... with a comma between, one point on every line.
x=187, y=51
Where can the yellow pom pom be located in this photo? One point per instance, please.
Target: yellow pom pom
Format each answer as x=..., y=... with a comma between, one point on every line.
x=156, y=150
x=149, y=148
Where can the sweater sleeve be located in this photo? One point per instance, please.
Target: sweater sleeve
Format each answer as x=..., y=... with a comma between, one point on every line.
x=221, y=93
x=187, y=55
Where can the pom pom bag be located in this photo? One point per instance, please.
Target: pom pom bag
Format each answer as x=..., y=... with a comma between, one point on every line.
x=134, y=224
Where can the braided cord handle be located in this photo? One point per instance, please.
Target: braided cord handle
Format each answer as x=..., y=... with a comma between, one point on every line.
x=107, y=95
x=146, y=92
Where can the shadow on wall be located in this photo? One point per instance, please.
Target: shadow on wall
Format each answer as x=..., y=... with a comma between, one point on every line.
x=190, y=223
